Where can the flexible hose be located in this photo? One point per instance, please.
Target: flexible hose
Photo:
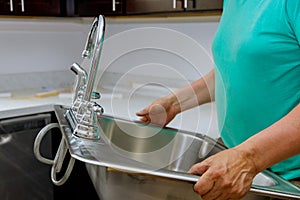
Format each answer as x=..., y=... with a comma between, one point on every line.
x=37, y=142
x=59, y=157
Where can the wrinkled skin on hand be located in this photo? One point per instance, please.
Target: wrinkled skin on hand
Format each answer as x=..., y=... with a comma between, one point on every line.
x=159, y=113
x=225, y=175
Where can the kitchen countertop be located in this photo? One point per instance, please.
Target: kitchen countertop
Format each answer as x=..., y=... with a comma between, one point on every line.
x=16, y=106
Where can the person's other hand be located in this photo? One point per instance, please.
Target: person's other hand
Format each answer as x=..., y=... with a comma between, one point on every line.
x=160, y=112
x=225, y=175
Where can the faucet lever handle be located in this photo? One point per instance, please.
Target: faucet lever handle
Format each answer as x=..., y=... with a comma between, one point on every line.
x=78, y=70
x=81, y=81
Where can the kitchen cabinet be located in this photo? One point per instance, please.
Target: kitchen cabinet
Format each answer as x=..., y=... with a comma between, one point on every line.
x=204, y=5
x=153, y=6
x=132, y=7
x=166, y=6
x=96, y=7
x=30, y=7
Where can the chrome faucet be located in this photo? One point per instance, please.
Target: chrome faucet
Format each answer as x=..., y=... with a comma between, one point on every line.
x=82, y=116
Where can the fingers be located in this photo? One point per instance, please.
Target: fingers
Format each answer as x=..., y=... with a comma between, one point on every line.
x=198, y=168
x=210, y=188
x=204, y=184
x=225, y=175
x=143, y=112
x=145, y=120
x=154, y=114
x=144, y=115
x=154, y=109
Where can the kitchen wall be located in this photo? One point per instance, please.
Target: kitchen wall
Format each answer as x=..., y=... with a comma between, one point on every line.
x=37, y=45
x=32, y=47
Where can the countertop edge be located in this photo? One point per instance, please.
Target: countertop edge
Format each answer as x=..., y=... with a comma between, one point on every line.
x=15, y=112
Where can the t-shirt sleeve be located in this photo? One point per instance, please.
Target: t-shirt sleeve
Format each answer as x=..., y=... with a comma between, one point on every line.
x=224, y=3
x=293, y=12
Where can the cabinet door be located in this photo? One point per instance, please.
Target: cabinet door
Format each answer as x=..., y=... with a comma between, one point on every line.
x=204, y=5
x=93, y=8
x=39, y=7
x=153, y=6
x=30, y=7
x=7, y=7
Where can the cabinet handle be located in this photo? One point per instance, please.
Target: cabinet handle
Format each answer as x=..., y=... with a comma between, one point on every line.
x=113, y=5
x=22, y=6
x=11, y=5
x=185, y=3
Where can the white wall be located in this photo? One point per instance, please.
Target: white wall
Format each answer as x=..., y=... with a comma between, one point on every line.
x=36, y=45
x=158, y=48
x=51, y=44
x=171, y=51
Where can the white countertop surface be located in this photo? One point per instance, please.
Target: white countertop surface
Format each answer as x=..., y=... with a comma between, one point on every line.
x=200, y=120
x=16, y=106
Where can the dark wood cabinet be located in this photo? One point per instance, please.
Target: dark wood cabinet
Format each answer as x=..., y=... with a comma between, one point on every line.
x=204, y=5
x=153, y=6
x=30, y=7
x=96, y=7
x=42, y=7
x=6, y=7
x=134, y=7
x=91, y=8
x=167, y=6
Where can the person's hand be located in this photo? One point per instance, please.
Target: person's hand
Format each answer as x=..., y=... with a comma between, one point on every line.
x=160, y=112
x=225, y=175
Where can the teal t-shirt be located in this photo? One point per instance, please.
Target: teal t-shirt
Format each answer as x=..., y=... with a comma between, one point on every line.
x=256, y=51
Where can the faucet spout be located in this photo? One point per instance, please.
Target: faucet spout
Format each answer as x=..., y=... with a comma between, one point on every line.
x=92, y=51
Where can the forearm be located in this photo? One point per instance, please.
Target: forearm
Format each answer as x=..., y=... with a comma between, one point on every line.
x=197, y=93
x=276, y=143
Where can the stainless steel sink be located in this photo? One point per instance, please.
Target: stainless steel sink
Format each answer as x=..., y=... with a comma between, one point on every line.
x=160, y=148
x=148, y=162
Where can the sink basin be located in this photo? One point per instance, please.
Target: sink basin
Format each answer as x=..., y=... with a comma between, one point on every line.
x=160, y=148
x=148, y=159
